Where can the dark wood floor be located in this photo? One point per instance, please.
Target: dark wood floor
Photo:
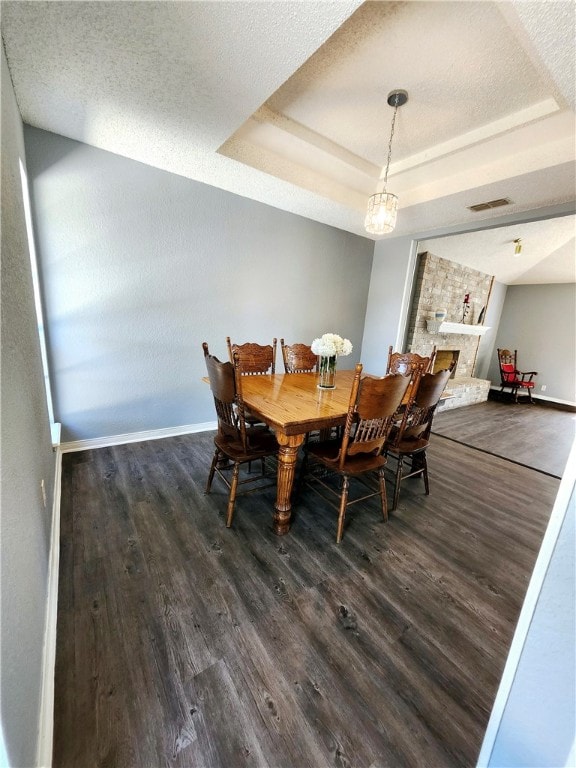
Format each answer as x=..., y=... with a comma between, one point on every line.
x=538, y=436
x=182, y=643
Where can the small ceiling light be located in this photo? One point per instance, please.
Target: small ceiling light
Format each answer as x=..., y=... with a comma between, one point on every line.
x=518, y=248
x=383, y=206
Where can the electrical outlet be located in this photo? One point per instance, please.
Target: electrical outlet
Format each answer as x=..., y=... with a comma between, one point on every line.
x=543, y=388
x=43, y=489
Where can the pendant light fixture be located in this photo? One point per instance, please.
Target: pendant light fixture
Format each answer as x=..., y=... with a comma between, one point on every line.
x=383, y=206
x=518, y=248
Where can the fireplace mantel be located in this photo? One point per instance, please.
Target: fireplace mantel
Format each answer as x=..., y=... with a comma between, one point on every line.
x=433, y=326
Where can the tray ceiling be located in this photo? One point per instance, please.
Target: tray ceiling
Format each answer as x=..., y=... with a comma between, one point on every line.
x=285, y=102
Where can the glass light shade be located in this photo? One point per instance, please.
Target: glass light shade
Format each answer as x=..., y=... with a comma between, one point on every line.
x=381, y=213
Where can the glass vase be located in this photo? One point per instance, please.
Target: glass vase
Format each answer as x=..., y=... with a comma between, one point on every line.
x=327, y=371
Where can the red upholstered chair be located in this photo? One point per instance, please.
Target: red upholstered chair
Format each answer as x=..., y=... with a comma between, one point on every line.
x=513, y=379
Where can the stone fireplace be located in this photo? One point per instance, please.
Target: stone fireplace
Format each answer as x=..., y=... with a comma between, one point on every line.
x=442, y=285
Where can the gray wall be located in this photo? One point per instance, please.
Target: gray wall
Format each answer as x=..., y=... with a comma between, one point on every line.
x=486, y=348
x=538, y=722
x=389, y=297
x=141, y=266
x=27, y=458
x=540, y=322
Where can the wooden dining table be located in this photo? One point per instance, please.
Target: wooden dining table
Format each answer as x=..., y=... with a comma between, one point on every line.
x=292, y=404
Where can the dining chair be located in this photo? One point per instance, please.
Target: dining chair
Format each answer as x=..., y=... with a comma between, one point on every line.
x=372, y=409
x=254, y=358
x=412, y=363
x=411, y=436
x=404, y=362
x=236, y=443
x=298, y=358
x=513, y=379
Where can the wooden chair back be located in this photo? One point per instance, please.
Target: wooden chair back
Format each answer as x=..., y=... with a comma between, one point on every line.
x=298, y=358
x=373, y=407
x=507, y=363
x=409, y=362
x=253, y=358
x=417, y=419
x=226, y=387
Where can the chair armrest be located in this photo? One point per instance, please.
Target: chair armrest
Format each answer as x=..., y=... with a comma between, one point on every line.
x=527, y=373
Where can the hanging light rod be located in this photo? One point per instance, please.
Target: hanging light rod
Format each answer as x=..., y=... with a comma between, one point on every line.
x=383, y=206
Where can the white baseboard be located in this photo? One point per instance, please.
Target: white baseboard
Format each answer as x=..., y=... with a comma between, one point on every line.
x=137, y=437
x=537, y=396
x=46, y=725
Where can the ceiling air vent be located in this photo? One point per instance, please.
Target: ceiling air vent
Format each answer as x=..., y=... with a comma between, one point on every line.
x=490, y=204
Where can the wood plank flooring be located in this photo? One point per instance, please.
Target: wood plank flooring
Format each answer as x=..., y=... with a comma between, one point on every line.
x=182, y=643
x=538, y=436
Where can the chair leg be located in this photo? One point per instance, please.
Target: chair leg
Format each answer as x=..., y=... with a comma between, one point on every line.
x=212, y=470
x=398, y=480
x=513, y=393
x=382, y=482
x=232, y=497
x=418, y=466
x=425, y=473
x=342, y=512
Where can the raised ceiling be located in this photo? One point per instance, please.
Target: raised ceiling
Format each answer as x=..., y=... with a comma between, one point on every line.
x=547, y=251
x=285, y=102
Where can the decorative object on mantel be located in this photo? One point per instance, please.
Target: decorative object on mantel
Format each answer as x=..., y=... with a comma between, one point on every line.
x=440, y=315
x=383, y=206
x=481, y=315
x=328, y=347
x=465, y=306
x=432, y=326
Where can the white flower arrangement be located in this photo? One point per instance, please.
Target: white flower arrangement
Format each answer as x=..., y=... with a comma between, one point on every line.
x=331, y=345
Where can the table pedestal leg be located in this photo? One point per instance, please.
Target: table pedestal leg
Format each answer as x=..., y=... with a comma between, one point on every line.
x=287, y=455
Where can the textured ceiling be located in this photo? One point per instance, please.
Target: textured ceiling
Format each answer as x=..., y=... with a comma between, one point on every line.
x=547, y=254
x=285, y=102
